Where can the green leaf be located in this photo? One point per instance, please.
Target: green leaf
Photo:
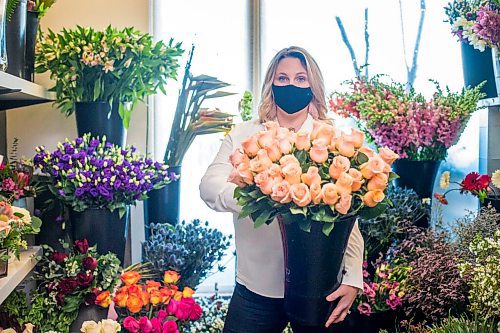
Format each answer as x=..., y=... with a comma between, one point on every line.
x=263, y=218
x=361, y=158
x=393, y=176
x=327, y=228
x=298, y=210
x=219, y=94
x=248, y=209
x=305, y=225
x=368, y=213
x=36, y=223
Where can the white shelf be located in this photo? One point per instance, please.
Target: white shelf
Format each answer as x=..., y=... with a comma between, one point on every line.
x=489, y=102
x=18, y=270
x=16, y=92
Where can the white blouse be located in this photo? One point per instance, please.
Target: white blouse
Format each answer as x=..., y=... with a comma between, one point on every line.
x=259, y=251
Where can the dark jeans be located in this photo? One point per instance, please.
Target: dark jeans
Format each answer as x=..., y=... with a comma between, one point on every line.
x=252, y=313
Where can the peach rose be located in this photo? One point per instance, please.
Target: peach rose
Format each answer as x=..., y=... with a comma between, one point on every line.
x=235, y=178
x=378, y=182
x=250, y=146
x=273, y=151
x=316, y=195
x=303, y=141
x=344, y=183
x=237, y=157
x=344, y=204
x=272, y=126
x=387, y=155
x=285, y=146
x=357, y=137
x=281, y=192
x=292, y=173
x=261, y=162
x=245, y=173
x=329, y=194
x=339, y=164
x=312, y=176
x=300, y=194
x=374, y=165
x=288, y=159
x=319, y=151
x=373, y=198
x=345, y=146
x=264, y=182
x=367, y=151
x=275, y=171
x=265, y=138
x=322, y=131
x=357, y=179
x=282, y=133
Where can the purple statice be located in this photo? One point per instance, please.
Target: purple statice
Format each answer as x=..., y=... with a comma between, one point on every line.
x=487, y=26
x=92, y=173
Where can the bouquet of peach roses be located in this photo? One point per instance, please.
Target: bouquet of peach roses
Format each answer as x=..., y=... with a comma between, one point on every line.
x=321, y=176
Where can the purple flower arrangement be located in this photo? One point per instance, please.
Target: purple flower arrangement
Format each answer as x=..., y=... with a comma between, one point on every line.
x=92, y=173
x=405, y=121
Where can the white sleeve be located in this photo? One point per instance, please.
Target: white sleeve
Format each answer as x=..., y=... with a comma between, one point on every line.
x=215, y=190
x=353, y=259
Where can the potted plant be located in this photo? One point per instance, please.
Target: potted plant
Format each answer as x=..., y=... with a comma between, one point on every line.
x=417, y=129
x=477, y=26
x=190, y=120
x=98, y=181
x=15, y=222
x=101, y=75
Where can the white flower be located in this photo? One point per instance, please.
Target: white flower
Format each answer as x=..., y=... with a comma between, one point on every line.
x=29, y=328
x=108, y=66
x=495, y=178
x=91, y=327
x=9, y=330
x=444, y=181
x=110, y=326
x=127, y=63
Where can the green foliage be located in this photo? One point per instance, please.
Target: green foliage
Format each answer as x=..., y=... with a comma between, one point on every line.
x=246, y=106
x=478, y=324
x=121, y=66
x=41, y=6
x=16, y=304
x=10, y=8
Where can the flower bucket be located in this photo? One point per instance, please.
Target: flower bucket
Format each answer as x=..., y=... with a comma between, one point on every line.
x=4, y=264
x=16, y=40
x=32, y=23
x=97, y=118
x=88, y=312
x=313, y=269
x=102, y=228
x=417, y=175
x=477, y=67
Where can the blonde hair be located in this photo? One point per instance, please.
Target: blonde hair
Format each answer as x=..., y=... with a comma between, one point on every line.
x=317, y=107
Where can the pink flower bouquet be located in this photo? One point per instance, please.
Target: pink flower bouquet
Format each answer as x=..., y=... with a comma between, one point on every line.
x=320, y=176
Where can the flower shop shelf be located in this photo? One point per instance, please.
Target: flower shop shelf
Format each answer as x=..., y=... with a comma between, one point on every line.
x=16, y=92
x=18, y=270
x=489, y=102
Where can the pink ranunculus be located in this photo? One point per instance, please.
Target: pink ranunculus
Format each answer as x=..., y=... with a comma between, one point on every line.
x=365, y=308
x=172, y=307
x=184, y=308
x=170, y=327
x=145, y=325
x=131, y=324
x=162, y=314
x=156, y=325
x=196, y=312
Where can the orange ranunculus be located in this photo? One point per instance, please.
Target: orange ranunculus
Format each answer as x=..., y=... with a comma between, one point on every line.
x=300, y=194
x=275, y=171
x=303, y=141
x=319, y=151
x=387, y=155
x=339, y=164
x=379, y=181
x=166, y=295
x=374, y=165
x=261, y=162
x=288, y=159
x=265, y=138
x=373, y=198
x=187, y=292
x=103, y=299
x=135, y=290
x=156, y=296
x=285, y=146
x=171, y=277
x=292, y=173
x=312, y=176
x=131, y=277
x=357, y=179
x=345, y=146
x=245, y=173
x=134, y=303
x=123, y=289
x=250, y=146
x=358, y=137
x=344, y=184
x=264, y=182
x=145, y=296
x=237, y=157
x=329, y=194
x=316, y=194
x=120, y=299
x=177, y=296
x=344, y=204
x=273, y=151
x=367, y=151
x=281, y=192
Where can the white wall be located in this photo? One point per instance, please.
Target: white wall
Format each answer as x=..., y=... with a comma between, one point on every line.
x=44, y=124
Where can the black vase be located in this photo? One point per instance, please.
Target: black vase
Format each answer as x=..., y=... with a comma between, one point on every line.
x=313, y=269
x=358, y=323
x=102, y=227
x=16, y=40
x=417, y=175
x=4, y=264
x=495, y=203
x=163, y=205
x=478, y=67
x=88, y=312
x=100, y=119
x=32, y=22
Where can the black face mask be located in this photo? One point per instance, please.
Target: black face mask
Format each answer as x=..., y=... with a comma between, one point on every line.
x=292, y=99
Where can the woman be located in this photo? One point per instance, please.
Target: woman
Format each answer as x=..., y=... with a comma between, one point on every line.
x=292, y=94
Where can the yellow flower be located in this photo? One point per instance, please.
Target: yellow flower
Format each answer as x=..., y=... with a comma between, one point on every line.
x=444, y=181
x=495, y=178
x=108, y=66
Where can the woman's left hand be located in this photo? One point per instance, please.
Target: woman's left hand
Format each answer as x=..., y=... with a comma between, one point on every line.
x=346, y=295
